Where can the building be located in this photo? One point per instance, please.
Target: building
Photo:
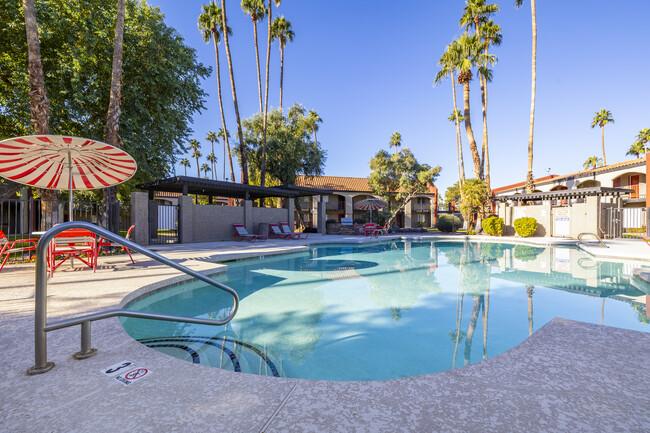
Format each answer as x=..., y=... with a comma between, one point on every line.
x=347, y=191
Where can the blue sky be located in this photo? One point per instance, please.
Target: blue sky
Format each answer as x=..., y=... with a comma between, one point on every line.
x=367, y=68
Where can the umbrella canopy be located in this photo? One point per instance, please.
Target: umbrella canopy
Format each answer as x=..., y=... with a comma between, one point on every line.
x=371, y=204
x=59, y=162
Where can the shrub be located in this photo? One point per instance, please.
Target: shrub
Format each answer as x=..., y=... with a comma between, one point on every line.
x=493, y=226
x=492, y=251
x=525, y=227
x=448, y=223
x=526, y=253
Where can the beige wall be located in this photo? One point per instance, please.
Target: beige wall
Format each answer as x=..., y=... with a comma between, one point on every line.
x=214, y=223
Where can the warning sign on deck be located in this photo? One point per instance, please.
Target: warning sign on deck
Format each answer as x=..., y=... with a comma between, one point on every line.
x=126, y=372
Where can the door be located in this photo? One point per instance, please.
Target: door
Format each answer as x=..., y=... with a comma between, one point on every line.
x=634, y=185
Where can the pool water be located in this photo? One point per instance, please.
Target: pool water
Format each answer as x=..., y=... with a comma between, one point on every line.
x=388, y=310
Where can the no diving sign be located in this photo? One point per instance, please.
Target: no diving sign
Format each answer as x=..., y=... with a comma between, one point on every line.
x=126, y=372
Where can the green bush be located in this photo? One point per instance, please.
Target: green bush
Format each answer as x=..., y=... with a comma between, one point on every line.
x=526, y=253
x=448, y=223
x=525, y=227
x=492, y=251
x=493, y=226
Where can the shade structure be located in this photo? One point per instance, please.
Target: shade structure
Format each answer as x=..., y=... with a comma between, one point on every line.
x=60, y=162
x=371, y=204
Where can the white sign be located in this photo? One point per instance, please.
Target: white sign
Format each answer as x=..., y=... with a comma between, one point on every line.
x=562, y=226
x=346, y=221
x=126, y=372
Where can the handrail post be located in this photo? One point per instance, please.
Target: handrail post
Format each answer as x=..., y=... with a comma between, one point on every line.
x=86, y=351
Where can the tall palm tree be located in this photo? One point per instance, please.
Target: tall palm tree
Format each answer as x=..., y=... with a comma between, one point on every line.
x=641, y=142
x=470, y=54
x=636, y=149
x=212, y=137
x=240, y=133
x=449, y=64
x=205, y=168
x=602, y=118
x=257, y=11
x=529, y=174
x=476, y=14
x=213, y=162
x=314, y=119
x=211, y=25
x=196, y=147
x=225, y=136
x=269, y=12
x=593, y=162
x=395, y=140
x=185, y=163
x=281, y=30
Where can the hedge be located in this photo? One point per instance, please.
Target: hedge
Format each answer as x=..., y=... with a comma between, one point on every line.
x=525, y=227
x=493, y=226
x=448, y=223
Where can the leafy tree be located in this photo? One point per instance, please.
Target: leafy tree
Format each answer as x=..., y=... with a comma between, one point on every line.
x=281, y=30
x=474, y=193
x=185, y=163
x=602, y=118
x=211, y=25
x=213, y=162
x=529, y=175
x=212, y=137
x=593, y=162
x=640, y=144
x=395, y=140
x=196, y=153
x=205, y=168
x=160, y=83
x=314, y=119
x=257, y=11
x=452, y=194
x=399, y=177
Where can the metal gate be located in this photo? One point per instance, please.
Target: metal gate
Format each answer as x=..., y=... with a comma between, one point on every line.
x=163, y=224
x=628, y=223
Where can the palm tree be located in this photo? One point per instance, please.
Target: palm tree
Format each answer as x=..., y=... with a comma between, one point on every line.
x=205, y=168
x=593, y=162
x=470, y=54
x=196, y=147
x=225, y=135
x=281, y=30
x=211, y=25
x=641, y=142
x=185, y=163
x=449, y=64
x=240, y=133
x=269, y=12
x=476, y=13
x=314, y=119
x=213, y=162
x=395, y=140
x=602, y=118
x=257, y=11
x=529, y=175
x=212, y=137
x=636, y=149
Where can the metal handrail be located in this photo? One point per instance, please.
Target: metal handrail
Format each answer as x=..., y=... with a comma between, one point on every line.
x=582, y=235
x=41, y=327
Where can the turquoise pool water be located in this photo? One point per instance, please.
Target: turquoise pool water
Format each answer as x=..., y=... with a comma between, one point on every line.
x=388, y=310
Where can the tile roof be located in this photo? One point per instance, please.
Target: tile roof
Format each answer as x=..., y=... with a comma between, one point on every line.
x=555, y=178
x=340, y=183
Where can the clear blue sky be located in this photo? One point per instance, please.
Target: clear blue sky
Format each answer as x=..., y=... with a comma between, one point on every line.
x=367, y=68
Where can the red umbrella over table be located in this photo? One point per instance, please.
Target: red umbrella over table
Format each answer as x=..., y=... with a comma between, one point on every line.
x=371, y=204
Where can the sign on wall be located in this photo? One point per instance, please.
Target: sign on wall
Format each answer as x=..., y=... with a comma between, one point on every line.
x=562, y=222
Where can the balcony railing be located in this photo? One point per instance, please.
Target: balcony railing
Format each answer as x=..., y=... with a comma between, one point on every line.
x=420, y=208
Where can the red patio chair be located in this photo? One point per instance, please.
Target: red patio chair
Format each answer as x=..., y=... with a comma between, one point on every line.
x=15, y=246
x=240, y=234
x=275, y=231
x=287, y=230
x=103, y=243
x=73, y=243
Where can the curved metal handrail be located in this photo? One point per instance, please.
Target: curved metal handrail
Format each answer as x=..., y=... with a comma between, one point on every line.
x=41, y=327
x=582, y=235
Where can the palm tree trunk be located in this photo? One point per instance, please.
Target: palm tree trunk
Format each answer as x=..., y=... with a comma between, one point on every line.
x=486, y=308
x=212, y=163
x=242, y=149
x=602, y=138
x=282, y=72
x=226, y=145
x=185, y=170
x=472, y=327
x=266, y=96
x=529, y=175
x=315, y=138
x=257, y=58
x=459, y=314
x=198, y=169
x=470, y=134
x=459, y=146
x=529, y=295
x=486, y=153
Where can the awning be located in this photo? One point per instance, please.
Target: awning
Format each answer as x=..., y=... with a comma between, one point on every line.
x=565, y=194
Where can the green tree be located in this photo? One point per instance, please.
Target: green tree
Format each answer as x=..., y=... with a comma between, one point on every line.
x=212, y=137
x=640, y=144
x=282, y=32
x=314, y=119
x=395, y=140
x=205, y=168
x=196, y=153
x=213, y=162
x=185, y=163
x=211, y=25
x=452, y=194
x=161, y=80
x=257, y=11
x=269, y=37
x=399, y=178
x=602, y=118
x=474, y=193
x=593, y=162
x=529, y=174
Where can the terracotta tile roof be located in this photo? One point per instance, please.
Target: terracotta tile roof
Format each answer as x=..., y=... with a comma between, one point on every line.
x=340, y=183
x=555, y=178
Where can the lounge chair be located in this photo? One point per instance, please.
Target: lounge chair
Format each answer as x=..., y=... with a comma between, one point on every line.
x=275, y=231
x=73, y=243
x=103, y=243
x=287, y=230
x=241, y=234
x=15, y=246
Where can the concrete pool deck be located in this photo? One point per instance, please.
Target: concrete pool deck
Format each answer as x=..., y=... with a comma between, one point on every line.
x=568, y=376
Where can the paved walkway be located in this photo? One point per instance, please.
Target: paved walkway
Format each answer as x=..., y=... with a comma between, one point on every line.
x=568, y=376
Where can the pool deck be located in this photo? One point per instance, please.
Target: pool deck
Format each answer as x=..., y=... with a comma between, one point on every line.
x=568, y=376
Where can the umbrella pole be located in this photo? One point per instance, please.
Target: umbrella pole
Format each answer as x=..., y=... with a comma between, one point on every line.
x=70, y=216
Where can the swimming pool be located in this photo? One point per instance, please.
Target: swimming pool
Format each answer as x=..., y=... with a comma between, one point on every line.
x=388, y=310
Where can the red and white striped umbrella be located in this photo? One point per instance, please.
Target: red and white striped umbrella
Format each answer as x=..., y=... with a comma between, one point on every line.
x=59, y=162
x=371, y=204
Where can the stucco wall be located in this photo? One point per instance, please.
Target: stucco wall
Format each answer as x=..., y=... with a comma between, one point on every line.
x=214, y=223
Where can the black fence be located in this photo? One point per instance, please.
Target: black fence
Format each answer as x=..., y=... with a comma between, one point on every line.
x=28, y=218
x=163, y=224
